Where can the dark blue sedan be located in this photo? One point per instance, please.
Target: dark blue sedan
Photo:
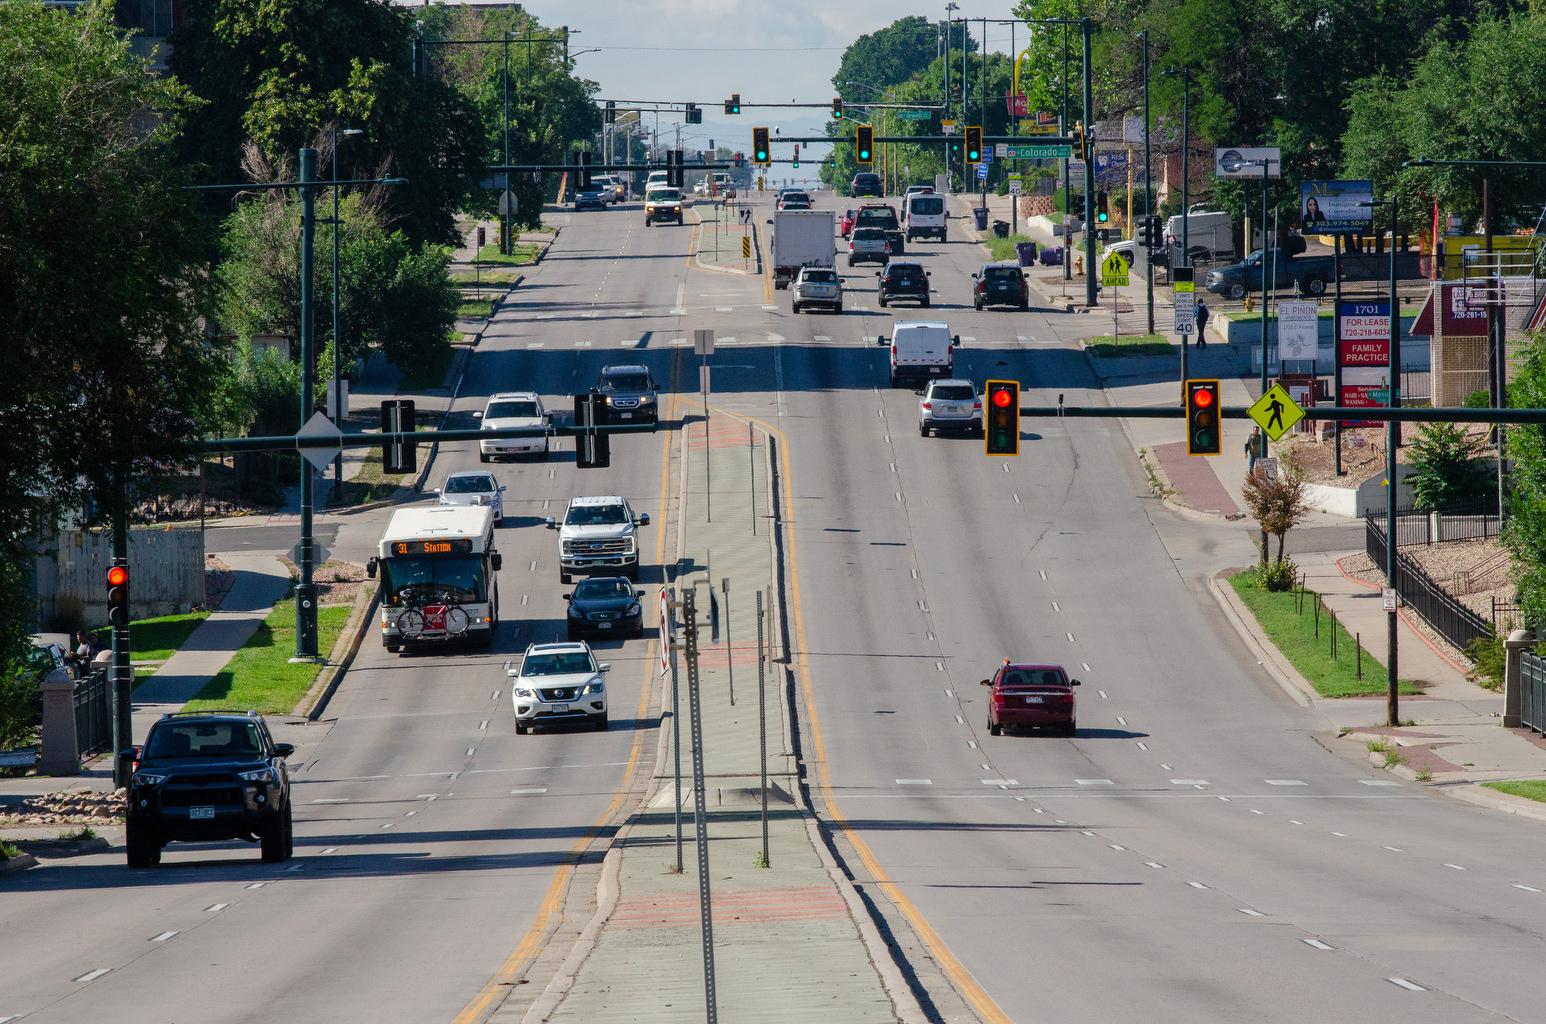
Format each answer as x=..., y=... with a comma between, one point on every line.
x=592, y=196
x=604, y=605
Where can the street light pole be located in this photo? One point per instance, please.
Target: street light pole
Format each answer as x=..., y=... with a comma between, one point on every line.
x=1148, y=186
x=505, y=246
x=306, y=590
x=339, y=411
x=1392, y=440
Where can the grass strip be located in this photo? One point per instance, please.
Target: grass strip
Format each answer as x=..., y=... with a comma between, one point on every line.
x=1108, y=347
x=522, y=254
x=475, y=307
x=1004, y=248
x=1530, y=789
x=372, y=484
x=1294, y=635
x=260, y=676
x=486, y=277
x=159, y=638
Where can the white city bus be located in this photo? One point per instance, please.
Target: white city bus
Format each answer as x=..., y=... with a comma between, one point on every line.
x=439, y=576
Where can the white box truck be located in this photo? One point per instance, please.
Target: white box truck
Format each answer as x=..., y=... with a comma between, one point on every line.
x=802, y=238
x=1211, y=230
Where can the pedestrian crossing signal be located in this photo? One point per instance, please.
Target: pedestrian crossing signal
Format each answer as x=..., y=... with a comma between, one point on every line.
x=1001, y=432
x=1204, y=433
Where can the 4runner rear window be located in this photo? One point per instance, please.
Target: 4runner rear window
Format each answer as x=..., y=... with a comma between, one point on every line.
x=953, y=392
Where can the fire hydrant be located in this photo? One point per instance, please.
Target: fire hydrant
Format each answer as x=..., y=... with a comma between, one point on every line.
x=1078, y=265
x=1249, y=304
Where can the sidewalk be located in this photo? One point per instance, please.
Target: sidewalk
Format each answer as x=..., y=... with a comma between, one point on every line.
x=787, y=944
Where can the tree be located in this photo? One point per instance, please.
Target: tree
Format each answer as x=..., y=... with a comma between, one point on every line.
x=1447, y=466
x=892, y=55
x=277, y=72
x=1277, y=503
x=102, y=279
x=1525, y=532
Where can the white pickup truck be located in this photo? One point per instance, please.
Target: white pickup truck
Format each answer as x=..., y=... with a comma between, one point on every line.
x=802, y=238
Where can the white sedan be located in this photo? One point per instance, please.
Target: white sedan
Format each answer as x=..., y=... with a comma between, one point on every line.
x=474, y=487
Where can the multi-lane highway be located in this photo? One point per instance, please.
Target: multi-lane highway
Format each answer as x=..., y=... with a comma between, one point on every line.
x=1192, y=854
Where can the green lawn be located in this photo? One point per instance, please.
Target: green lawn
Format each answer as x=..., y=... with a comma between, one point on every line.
x=157, y=639
x=475, y=307
x=1004, y=248
x=1533, y=789
x=260, y=676
x=486, y=276
x=1109, y=347
x=371, y=484
x=1294, y=635
x=524, y=254
x=429, y=374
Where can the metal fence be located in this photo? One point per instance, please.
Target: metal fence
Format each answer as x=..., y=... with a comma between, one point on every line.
x=1476, y=521
x=1532, y=691
x=94, y=713
x=1438, y=607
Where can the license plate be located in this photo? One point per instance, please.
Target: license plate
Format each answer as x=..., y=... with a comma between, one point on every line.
x=560, y=707
x=625, y=415
x=201, y=813
x=1033, y=700
x=603, y=625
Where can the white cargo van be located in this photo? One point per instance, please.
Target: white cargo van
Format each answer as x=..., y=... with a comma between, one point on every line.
x=1210, y=229
x=925, y=216
x=921, y=350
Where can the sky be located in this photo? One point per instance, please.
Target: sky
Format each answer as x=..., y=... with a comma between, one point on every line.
x=704, y=50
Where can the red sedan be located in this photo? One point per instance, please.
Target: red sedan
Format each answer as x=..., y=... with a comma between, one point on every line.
x=846, y=225
x=1034, y=696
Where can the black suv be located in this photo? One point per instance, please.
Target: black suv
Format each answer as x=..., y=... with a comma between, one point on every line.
x=630, y=392
x=204, y=776
x=1000, y=284
x=866, y=183
x=904, y=281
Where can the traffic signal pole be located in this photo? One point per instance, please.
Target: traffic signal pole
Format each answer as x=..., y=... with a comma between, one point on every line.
x=1089, y=177
x=306, y=590
x=122, y=673
x=1148, y=191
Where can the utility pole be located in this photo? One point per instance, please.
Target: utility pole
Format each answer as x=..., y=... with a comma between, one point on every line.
x=1068, y=195
x=1148, y=187
x=306, y=590
x=1089, y=174
x=1392, y=442
x=339, y=410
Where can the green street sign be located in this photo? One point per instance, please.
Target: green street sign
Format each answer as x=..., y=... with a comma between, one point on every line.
x=914, y=115
x=1042, y=152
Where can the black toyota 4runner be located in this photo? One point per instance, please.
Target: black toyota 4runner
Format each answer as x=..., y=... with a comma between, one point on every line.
x=204, y=776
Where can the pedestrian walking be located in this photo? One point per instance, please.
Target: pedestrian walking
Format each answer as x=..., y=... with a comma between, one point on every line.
x=1203, y=312
x=1252, y=448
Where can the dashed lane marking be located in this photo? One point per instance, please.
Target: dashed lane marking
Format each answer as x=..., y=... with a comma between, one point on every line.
x=1316, y=944
x=1189, y=782
x=1284, y=782
x=1378, y=782
x=1094, y=782
x=162, y=937
x=92, y=975
x=915, y=782
x=529, y=791
x=215, y=908
x=1403, y=983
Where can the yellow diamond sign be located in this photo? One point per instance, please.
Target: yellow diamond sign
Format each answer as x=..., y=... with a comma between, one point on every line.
x=1276, y=412
x=1113, y=271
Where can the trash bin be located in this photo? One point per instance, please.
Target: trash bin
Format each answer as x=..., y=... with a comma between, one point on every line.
x=1026, y=253
x=980, y=215
x=1052, y=256
x=1001, y=228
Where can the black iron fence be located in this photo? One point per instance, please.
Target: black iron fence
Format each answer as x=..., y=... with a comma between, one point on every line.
x=1438, y=607
x=1476, y=521
x=94, y=713
x=1532, y=691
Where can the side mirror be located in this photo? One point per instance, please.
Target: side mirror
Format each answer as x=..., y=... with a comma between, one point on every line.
x=928, y=273
x=986, y=682
x=370, y=567
x=644, y=519
x=638, y=593
x=478, y=415
x=1073, y=682
x=770, y=220
x=129, y=755
x=551, y=523
x=880, y=340
x=955, y=341
x=568, y=597
x=974, y=277
x=284, y=749
x=605, y=666
x=497, y=561
x=503, y=488
x=877, y=273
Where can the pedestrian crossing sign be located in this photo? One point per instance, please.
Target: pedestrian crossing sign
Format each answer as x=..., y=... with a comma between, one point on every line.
x=1113, y=271
x=1276, y=412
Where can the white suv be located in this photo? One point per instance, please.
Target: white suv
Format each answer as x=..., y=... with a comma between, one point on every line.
x=558, y=683
x=818, y=286
x=514, y=409
x=949, y=404
x=598, y=535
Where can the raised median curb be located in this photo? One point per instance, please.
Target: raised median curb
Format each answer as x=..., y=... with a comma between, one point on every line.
x=1241, y=618
x=1507, y=803
x=361, y=616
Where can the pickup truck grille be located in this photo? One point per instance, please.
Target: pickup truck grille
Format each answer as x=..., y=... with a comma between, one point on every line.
x=583, y=548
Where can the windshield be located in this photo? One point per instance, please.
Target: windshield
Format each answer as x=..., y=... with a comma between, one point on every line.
x=820, y=276
x=480, y=483
x=557, y=664
x=1001, y=274
x=596, y=515
x=953, y=392
x=1033, y=677
x=928, y=206
x=595, y=590
x=625, y=382
x=878, y=215
x=512, y=411
x=433, y=579
x=203, y=739
x=665, y=195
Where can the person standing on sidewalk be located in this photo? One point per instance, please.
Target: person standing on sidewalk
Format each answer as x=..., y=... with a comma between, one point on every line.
x=1203, y=313
x=1252, y=447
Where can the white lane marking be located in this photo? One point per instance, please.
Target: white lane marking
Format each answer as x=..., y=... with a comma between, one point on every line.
x=1403, y=983
x=922, y=607
x=1454, y=867
x=1526, y=888
x=968, y=338
x=1316, y=944
x=1094, y=782
x=331, y=849
x=1142, y=745
x=1043, y=573
x=1121, y=720
x=388, y=825
x=362, y=778
x=1295, y=821
x=1196, y=885
x=680, y=342
x=1085, y=833
x=1189, y=782
x=93, y=975
x=295, y=867
x=950, y=693
x=1378, y=782
x=215, y=908
x=257, y=885
x=775, y=337
x=1056, y=607
x=915, y=573
x=1102, y=694
x=1165, y=767
x=960, y=720
x=1000, y=782
x=584, y=344
x=915, y=782
x=533, y=566
x=535, y=344
x=162, y=937
x=820, y=337
x=529, y=791
x=1085, y=665
x=524, y=599
x=1005, y=467
x=985, y=766
x=972, y=744
x=1156, y=865
x=770, y=309
x=724, y=309
x=483, y=724
x=1254, y=811
x=494, y=695
x=331, y=800
x=1116, y=847
x=939, y=666
x=1283, y=782
x=541, y=768
x=630, y=342
x=1393, y=849
x=1340, y=835
x=1070, y=638
x=409, y=814
x=1225, y=799
x=1016, y=496
x=1249, y=912
x=893, y=467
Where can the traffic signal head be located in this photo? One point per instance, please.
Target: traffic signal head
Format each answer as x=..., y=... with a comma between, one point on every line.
x=955, y=146
x=864, y=144
x=611, y=116
x=1001, y=432
x=837, y=108
x=1102, y=207
x=761, y=151
x=118, y=595
x=582, y=172
x=796, y=154
x=694, y=115
x=973, y=144
x=733, y=104
x=1079, y=140
x=1204, y=433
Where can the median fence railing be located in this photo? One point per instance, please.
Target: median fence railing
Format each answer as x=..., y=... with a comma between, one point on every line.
x=93, y=713
x=1450, y=618
x=1532, y=691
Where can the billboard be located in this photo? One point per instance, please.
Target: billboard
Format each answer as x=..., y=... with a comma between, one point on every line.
x=1333, y=207
x=1245, y=161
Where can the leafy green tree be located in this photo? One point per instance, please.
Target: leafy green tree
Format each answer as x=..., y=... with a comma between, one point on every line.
x=892, y=55
x=102, y=278
x=1525, y=532
x=1447, y=466
x=277, y=72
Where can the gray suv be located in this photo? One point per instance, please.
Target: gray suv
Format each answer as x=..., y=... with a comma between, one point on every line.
x=630, y=392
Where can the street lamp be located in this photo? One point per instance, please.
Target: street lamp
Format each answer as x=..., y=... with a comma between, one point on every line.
x=1185, y=74
x=338, y=411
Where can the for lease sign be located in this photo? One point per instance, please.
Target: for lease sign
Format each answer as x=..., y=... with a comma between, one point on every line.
x=1365, y=336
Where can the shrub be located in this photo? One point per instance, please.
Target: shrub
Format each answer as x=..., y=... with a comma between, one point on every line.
x=1477, y=400
x=1447, y=468
x=1489, y=659
x=1278, y=577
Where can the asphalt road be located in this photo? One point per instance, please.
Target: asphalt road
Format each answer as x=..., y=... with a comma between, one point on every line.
x=1193, y=854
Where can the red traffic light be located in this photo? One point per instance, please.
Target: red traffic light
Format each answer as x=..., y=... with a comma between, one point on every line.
x=1002, y=398
x=117, y=576
x=1202, y=397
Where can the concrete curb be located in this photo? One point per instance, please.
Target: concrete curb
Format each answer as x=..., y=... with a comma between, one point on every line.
x=1474, y=793
x=607, y=892
x=55, y=849
x=361, y=615
x=21, y=863
x=1240, y=617
x=1185, y=511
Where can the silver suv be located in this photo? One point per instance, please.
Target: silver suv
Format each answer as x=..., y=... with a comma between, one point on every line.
x=818, y=286
x=949, y=404
x=558, y=683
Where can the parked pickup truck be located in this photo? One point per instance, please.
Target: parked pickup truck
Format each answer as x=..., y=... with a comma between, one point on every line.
x=1311, y=273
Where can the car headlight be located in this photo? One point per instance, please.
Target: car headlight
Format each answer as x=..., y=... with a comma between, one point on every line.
x=521, y=691
x=148, y=779
x=257, y=775
x=647, y=400
x=590, y=688
x=633, y=610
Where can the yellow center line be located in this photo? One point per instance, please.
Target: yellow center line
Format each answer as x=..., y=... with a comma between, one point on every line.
x=509, y=972
x=959, y=976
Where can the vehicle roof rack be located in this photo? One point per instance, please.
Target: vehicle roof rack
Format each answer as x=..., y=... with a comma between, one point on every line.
x=248, y=713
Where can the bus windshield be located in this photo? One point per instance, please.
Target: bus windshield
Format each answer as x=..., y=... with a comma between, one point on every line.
x=433, y=579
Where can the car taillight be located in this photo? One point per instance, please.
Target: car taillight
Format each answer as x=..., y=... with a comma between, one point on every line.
x=982, y=286
x=977, y=406
x=928, y=405
x=893, y=352
x=850, y=245
x=998, y=698
x=1066, y=698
